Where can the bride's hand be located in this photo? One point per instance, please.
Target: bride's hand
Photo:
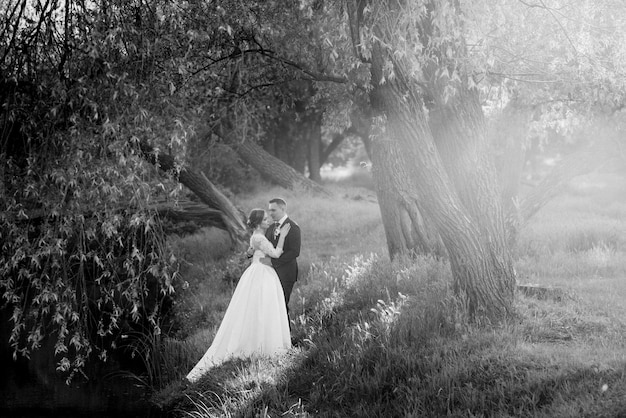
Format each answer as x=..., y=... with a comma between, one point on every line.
x=284, y=229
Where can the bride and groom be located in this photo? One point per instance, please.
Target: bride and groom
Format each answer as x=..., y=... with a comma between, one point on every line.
x=256, y=321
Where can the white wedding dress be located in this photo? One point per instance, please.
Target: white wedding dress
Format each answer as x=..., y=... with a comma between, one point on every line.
x=255, y=322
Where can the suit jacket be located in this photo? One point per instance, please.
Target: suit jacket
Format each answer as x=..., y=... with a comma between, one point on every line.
x=291, y=248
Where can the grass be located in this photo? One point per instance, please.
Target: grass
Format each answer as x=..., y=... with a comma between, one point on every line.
x=578, y=242
x=389, y=339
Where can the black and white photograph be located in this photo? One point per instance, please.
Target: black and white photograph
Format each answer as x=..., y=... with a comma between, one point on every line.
x=312, y=208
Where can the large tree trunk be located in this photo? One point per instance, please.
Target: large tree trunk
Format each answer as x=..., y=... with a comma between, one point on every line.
x=457, y=123
x=405, y=229
x=232, y=218
x=459, y=133
x=469, y=222
x=276, y=170
x=486, y=281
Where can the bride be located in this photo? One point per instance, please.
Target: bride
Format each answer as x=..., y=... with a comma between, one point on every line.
x=255, y=322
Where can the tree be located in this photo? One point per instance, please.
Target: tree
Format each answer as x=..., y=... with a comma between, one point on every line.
x=82, y=80
x=406, y=230
x=256, y=86
x=441, y=171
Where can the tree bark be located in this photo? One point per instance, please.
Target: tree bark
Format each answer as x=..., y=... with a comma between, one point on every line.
x=486, y=282
x=299, y=153
x=405, y=229
x=276, y=170
x=459, y=133
x=232, y=217
x=457, y=124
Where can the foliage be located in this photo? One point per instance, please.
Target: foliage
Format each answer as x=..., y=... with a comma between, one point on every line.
x=83, y=257
x=87, y=280
x=562, y=61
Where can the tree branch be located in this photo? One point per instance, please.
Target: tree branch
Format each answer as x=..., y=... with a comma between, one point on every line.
x=15, y=29
x=270, y=54
x=314, y=76
x=561, y=26
x=232, y=218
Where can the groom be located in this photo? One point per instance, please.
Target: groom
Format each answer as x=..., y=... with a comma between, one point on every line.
x=286, y=266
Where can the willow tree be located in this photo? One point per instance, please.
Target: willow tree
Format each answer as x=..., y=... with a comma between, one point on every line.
x=437, y=159
x=84, y=253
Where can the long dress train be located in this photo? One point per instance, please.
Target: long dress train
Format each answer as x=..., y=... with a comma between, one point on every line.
x=255, y=322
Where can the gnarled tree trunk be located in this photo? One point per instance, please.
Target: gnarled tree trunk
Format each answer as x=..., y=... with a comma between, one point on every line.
x=469, y=221
x=459, y=133
x=405, y=229
x=485, y=277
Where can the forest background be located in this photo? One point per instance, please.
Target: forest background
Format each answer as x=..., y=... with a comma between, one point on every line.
x=133, y=132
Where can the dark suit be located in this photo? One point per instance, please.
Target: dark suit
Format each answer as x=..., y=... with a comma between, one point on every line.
x=286, y=265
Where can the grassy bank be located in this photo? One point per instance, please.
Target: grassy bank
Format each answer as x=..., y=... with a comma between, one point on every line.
x=383, y=339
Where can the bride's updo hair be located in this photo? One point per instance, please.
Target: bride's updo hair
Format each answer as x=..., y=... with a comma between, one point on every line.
x=255, y=218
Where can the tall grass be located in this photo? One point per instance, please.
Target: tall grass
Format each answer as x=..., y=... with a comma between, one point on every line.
x=390, y=339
